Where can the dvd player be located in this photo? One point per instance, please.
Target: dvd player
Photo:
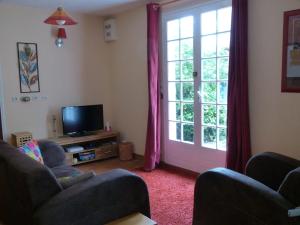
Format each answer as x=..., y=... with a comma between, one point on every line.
x=74, y=148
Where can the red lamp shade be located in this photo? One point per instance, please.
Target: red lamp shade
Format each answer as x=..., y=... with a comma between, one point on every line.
x=60, y=17
x=61, y=33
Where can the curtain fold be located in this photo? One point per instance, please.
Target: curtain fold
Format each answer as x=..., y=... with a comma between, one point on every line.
x=238, y=146
x=153, y=140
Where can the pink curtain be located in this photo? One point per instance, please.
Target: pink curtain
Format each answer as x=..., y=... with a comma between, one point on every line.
x=152, y=151
x=238, y=147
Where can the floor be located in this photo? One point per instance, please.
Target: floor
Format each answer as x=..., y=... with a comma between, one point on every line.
x=169, y=188
x=113, y=163
x=171, y=194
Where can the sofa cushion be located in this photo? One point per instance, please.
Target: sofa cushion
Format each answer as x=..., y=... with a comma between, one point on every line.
x=31, y=149
x=53, y=154
x=65, y=171
x=69, y=181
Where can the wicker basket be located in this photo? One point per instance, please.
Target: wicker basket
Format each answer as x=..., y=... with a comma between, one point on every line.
x=126, y=151
x=20, y=138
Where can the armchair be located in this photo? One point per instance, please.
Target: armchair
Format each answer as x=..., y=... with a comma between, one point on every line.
x=261, y=197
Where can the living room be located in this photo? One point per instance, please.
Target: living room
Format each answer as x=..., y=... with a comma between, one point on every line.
x=87, y=70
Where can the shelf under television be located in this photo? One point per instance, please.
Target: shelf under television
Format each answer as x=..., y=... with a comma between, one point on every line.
x=108, y=148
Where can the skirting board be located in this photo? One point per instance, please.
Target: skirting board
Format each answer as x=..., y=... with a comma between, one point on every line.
x=164, y=165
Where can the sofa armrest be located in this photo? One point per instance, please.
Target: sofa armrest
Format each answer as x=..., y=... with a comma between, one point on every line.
x=99, y=200
x=223, y=197
x=270, y=168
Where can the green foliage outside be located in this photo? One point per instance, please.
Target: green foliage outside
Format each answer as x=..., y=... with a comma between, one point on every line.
x=209, y=92
x=222, y=115
x=209, y=69
x=212, y=116
x=209, y=135
x=223, y=87
x=178, y=111
x=188, y=91
x=223, y=64
x=209, y=115
x=222, y=137
x=188, y=132
x=187, y=70
x=188, y=112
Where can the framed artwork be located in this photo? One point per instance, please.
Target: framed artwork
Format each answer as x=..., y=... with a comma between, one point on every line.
x=28, y=67
x=290, y=81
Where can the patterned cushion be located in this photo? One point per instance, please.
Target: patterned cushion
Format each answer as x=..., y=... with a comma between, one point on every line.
x=32, y=149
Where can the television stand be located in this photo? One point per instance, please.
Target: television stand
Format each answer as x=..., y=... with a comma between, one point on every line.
x=96, y=146
x=82, y=134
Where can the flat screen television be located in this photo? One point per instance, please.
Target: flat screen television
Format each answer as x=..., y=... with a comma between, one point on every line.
x=82, y=120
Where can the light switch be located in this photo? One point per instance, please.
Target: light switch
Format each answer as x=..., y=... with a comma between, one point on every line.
x=14, y=99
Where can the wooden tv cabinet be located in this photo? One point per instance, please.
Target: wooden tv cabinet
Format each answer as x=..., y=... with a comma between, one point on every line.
x=101, y=145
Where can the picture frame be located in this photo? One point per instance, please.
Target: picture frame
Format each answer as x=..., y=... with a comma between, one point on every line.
x=28, y=67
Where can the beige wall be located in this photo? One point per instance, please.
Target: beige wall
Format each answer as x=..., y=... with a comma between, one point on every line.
x=275, y=116
x=129, y=77
x=76, y=74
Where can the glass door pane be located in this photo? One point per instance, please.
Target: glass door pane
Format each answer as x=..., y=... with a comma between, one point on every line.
x=215, y=40
x=180, y=55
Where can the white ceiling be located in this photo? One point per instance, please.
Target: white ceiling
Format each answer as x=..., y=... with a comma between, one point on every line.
x=99, y=7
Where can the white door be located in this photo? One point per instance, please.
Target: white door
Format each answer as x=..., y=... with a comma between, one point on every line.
x=195, y=78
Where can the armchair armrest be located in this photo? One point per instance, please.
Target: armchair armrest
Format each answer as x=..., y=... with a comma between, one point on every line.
x=97, y=201
x=290, y=187
x=270, y=168
x=223, y=197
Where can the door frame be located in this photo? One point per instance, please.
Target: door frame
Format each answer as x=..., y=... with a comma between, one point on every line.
x=2, y=108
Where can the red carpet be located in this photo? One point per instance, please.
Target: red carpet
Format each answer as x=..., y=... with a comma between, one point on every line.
x=171, y=196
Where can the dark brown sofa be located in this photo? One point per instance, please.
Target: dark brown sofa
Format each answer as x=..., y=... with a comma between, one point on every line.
x=31, y=194
x=263, y=196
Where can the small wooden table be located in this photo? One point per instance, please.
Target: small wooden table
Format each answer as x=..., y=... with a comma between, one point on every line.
x=133, y=219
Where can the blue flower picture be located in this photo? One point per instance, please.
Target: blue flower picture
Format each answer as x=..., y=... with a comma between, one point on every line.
x=28, y=67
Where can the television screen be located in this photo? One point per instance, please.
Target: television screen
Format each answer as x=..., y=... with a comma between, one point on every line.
x=82, y=119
